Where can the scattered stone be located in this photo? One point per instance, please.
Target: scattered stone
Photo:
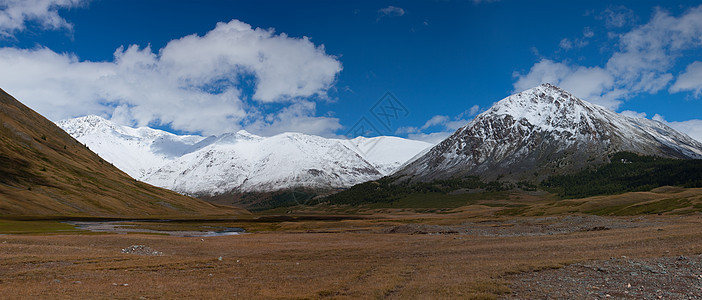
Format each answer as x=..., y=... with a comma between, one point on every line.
x=674, y=277
x=141, y=250
x=219, y=258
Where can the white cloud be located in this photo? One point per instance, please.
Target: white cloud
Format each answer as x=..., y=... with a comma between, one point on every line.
x=617, y=16
x=473, y=110
x=690, y=80
x=406, y=130
x=583, y=82
x=634, y=114
x=692, y=128
x=435, y=120
x=298, y=117
x=432, y=138
x=391, y=11
x=566, y=44
x=444, y=126
x=545, y=71
x=218, y=82
x=15, y=14
x=642, y=64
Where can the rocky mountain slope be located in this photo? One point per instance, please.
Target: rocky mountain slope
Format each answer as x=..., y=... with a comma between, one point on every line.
x=44, y=171
x=545, y=131
x=241, y=162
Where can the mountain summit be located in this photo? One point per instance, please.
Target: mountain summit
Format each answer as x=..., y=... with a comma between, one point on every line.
x=541, y=132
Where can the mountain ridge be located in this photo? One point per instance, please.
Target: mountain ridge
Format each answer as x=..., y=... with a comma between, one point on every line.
x=241, y=161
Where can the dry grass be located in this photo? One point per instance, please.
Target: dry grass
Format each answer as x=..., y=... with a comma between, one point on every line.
x=293, y=265
x=44, y=171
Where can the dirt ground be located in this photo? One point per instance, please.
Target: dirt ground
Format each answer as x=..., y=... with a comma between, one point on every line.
x=521, y=258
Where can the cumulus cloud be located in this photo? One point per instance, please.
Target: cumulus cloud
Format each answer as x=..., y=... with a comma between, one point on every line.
x=391, y=11
x=690, y=80
x=211, y=84
x=15, y=14
x=642, y=64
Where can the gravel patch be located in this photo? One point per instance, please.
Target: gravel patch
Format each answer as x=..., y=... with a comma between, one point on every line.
x=620, y=278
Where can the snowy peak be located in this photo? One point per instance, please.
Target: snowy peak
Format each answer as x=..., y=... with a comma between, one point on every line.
x=81, y=126
x=133, y=150
x=544, y=131
x=548, y=107
x=241, y=161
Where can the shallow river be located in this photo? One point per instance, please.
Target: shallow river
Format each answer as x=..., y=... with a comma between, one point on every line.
x=121, y=227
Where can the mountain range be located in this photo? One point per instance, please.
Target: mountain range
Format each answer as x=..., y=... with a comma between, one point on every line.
x=527, y=136
x=541, y=132
x=241, y=161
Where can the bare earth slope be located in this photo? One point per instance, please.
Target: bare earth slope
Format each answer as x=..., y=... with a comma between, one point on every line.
x=44, y=171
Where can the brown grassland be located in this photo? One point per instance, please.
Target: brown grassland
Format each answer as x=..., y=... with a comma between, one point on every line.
x=360, y=257
x=46, y=172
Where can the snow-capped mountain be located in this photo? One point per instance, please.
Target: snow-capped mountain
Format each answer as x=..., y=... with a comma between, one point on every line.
x=544, y=131
x=132, y=150
x=241, y=161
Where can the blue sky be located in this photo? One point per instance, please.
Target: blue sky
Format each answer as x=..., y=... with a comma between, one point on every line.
x=319, y=67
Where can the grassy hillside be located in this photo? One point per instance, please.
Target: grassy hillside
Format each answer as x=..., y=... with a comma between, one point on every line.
x=628, y=172
x=386, y=192
x=44, y=171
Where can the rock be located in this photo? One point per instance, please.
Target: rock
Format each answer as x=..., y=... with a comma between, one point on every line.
x=141, y=250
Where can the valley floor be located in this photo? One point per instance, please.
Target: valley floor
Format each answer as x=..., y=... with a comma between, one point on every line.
x=395, y=256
